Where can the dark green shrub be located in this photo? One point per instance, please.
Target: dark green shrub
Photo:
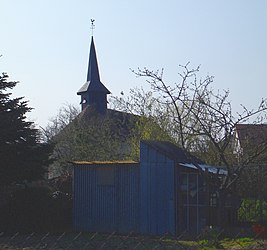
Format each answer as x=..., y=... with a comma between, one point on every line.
x=35, y=210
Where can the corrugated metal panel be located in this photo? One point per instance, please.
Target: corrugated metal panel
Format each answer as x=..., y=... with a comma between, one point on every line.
x=106, y=203
x=157, y=192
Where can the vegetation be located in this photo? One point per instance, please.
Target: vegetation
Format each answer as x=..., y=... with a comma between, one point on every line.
x=203, y=122
x=86, y=136
x=109, y=241
x=189, y=113
x=152, y=122
x=36, y=209
x=23, y=157
x=27, y=201
x=252, y=210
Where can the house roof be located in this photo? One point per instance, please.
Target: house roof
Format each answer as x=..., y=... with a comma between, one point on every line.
x=251, y=134
x=93, y=83
x=172, y=151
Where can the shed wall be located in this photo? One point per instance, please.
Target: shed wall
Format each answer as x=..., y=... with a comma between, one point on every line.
x=106, y=202
x=157, y=195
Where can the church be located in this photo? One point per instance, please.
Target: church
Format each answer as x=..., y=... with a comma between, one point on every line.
x=162, y=192
x=94, y=101
x=97, y=132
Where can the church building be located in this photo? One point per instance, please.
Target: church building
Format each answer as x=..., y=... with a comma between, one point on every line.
x=96, y=133
x=163, y=192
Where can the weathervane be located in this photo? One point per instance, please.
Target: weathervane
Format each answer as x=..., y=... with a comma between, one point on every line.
x=92, y=26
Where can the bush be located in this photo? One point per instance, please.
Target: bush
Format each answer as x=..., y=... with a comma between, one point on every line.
x=35, y=210
x=252, y=210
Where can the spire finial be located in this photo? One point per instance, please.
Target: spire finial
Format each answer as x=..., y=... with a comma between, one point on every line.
x=92, y=26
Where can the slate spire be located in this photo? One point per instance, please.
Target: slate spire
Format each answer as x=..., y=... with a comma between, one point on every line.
x=93, y=92
x=93, y=72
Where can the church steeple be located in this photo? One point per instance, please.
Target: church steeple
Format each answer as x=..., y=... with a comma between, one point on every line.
x=93, y=72
x=93, y=92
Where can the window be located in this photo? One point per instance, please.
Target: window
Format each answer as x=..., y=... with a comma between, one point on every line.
x=213, y=200
x=105, y=176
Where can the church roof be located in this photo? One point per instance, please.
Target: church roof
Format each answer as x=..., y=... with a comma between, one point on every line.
x=121, y=123
x=93, y=83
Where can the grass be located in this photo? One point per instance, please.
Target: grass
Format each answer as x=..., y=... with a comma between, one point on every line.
x=113, y=241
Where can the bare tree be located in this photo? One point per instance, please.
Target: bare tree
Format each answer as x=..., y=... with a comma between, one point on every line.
x=152, y=118
x=66, y=114
x=205, y=122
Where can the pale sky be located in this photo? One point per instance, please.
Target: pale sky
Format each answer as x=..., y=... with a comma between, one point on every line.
x=45, y=45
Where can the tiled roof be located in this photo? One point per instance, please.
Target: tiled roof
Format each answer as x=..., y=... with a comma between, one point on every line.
x=121, y=123
x=251, y=134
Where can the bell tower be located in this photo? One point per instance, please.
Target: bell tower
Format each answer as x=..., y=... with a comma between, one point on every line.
x=93, y=92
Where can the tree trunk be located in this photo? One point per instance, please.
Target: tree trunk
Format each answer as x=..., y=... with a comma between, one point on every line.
x=222, y=220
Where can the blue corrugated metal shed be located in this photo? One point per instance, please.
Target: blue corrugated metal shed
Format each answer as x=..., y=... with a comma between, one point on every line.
x=164, y=193
x=106, y=196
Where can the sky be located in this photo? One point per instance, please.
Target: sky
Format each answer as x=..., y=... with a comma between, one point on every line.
x=45, y=45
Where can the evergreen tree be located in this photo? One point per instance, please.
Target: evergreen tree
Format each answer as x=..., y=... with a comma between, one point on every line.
x=22, y=156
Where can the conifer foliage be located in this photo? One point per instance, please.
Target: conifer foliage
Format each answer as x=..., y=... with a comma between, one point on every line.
x=22, y=155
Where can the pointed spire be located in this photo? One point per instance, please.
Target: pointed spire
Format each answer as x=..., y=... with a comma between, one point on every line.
x=93, y=92
x=93, y=82
x=93, y=72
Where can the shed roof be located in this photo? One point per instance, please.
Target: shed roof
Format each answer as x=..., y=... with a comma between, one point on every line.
x=105, y=162
x=182, y=157
x=204, y=167
x=172, y=151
